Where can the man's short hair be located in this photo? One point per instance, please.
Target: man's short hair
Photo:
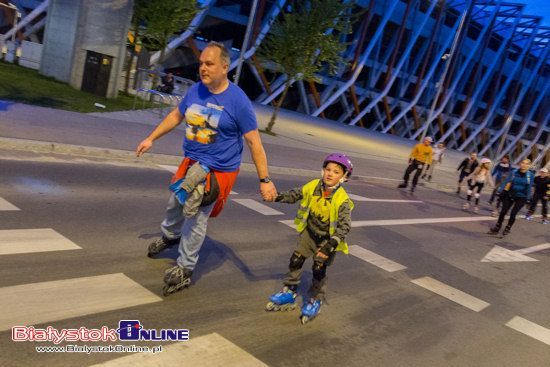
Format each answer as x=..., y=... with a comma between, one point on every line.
x=224, y=54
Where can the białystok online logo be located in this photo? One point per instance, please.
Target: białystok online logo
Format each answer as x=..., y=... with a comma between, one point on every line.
x=128, y=330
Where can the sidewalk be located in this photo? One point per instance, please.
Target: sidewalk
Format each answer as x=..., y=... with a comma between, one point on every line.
x=300, y=145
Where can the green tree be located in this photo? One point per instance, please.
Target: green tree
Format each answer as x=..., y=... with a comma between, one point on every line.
x=155, y=21
x=305, y=40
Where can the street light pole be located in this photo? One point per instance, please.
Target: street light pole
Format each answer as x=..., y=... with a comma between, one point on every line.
x=441, y=81
x=244, y=47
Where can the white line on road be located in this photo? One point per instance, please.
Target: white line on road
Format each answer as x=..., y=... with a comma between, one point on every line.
x=375, y=259
x=501, y=254
x=453, y=294
x=362, y=198
x=21, y=241
x=397, y=222
x=173, y=169
x=207, y=350
x=37, y=303
x=6, y=205
x=528, y=250
x=530, y=329
x=258, y=207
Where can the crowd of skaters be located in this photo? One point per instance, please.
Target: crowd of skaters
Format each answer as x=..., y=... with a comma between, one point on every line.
x=512, y=188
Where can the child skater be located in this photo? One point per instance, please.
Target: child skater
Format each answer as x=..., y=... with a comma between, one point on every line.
x=476, y=181
x=323, y=221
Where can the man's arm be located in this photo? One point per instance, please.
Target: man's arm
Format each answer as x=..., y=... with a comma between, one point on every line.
x=169, y=123
x=267, y=189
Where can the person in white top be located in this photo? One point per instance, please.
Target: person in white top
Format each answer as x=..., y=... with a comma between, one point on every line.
x=476, y=181
x=437, y=158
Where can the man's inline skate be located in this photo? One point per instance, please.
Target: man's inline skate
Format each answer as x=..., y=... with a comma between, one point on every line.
x=310, y=310
x=160, y=244
x=283, y=300
x=175, y=279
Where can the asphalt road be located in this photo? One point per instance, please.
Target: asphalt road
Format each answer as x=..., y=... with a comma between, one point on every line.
x=372, y=317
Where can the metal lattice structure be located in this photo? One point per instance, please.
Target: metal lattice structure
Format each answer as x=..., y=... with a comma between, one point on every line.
x=474, y=74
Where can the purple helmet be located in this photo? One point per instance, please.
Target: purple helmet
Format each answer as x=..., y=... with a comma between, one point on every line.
x=342, y=160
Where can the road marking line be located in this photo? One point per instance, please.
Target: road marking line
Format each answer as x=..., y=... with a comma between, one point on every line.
x=529, y=328
x=258, y=207
x=207, y=350
x=173, y=169
x=6, y=205
x=37, y=303
x=362, y=198
x=453, y=294
x=375, y=259
x=21, y=241
x=528, y=250
x=397, y=222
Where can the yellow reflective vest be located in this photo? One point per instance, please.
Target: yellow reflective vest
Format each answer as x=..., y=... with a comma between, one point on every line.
x=338, y=198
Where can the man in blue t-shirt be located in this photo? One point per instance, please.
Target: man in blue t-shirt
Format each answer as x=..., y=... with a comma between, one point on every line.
x=218, y=115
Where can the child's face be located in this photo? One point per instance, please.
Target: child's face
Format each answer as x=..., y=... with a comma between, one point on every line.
x=440, y=146
x=332, y=174
x=543, y=174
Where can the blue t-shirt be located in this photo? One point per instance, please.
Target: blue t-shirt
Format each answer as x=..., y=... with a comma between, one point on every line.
x=216, y=124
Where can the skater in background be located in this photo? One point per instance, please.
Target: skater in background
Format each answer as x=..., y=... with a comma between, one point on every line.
x=437, y=159
x=542, y=192
x=500, y=172
x=323, y=221
x=476, y=181
x=466, y=167
x=420, y=156
x=515, y=192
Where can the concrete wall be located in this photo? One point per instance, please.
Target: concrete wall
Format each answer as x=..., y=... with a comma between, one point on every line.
x=77, y=26
x=59, y=39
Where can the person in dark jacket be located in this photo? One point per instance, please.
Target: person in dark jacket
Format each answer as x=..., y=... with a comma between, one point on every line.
x=466, y=167
x=500, y=172
x=515, y=192
x=167, y=84
x=542, y=192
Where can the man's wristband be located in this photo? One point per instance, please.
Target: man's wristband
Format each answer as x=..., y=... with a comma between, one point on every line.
x=266, y=179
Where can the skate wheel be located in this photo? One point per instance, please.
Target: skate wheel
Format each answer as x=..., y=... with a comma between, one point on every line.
x=271, y=306
x=166, y=291
x=304, y=319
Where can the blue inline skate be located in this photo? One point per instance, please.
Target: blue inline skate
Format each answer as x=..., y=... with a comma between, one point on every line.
x=283, y=300
x=310, y=310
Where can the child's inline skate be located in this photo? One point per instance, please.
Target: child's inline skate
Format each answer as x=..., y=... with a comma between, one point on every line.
x=283, y=300
x=310, y=310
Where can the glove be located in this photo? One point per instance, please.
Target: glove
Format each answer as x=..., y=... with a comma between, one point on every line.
x=329, y=247
x=181, y=194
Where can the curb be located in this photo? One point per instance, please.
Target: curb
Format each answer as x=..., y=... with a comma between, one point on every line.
x=36, y=146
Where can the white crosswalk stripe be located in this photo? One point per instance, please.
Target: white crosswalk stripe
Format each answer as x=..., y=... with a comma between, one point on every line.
x=257, y=207
x=206, y=350
x=529, y=328
x=375, y=259
x=453, y=294
x=6, y=205
x=36, y=303
x=19, y=241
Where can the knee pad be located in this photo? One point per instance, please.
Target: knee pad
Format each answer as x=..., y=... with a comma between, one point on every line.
x=319, y=270
x=296, y=261
x=476, y=195
x=469, y=192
